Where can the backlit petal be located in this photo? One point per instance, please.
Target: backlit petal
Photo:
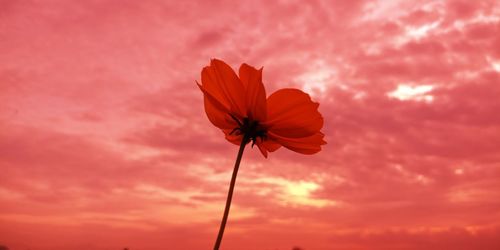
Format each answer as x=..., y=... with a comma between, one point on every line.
x=234, y=138
x=305, y=145
x=255, y=93
x=220, y=81
x=291, y=113
x=267, y=146
x=217, y=113
x=262, y=149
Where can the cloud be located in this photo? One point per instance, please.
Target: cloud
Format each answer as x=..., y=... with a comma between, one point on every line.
x=104, y=142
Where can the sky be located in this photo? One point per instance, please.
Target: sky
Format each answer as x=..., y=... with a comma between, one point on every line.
x=105, y=144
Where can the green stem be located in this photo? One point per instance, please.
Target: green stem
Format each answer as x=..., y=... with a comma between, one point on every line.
x=244, y=142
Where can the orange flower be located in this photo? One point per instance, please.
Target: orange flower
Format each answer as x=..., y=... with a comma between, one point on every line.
x=238, y=106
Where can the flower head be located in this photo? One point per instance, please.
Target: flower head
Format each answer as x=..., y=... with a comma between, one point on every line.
x=237, y=104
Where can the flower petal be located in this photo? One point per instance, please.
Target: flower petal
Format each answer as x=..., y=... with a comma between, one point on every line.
x=234, y=139
x=267, y=146
x=292, y=114
x=217, y=113
x=255, y=92
x=220, y=81
x=305, y=145
x=262, y=149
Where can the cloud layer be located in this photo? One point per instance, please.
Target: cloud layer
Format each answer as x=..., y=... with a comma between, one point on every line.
x=104, y=143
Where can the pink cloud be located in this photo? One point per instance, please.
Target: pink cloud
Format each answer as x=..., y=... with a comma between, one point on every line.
x=104, y=142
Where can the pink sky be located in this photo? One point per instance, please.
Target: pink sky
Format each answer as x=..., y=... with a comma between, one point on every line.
x=104, y=143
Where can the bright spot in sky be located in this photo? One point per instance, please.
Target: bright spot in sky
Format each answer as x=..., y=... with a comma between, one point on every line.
x=495, y=64
x=381, y=9
x=297, y=192
x=316, y=81
x=302, y=188
x=422, y=179
x=416, y=32
x=414, y=93
x=421, y=31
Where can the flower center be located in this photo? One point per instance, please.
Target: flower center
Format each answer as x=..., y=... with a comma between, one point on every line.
x=250, y=129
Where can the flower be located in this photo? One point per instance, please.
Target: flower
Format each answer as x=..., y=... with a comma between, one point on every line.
x=237, y=105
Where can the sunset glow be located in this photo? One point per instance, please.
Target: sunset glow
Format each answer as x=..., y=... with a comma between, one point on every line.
x=105, y=144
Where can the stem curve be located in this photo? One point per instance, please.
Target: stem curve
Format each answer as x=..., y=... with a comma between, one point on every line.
x=244, y=142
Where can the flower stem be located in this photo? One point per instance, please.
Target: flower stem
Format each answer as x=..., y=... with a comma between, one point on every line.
x=244, y=142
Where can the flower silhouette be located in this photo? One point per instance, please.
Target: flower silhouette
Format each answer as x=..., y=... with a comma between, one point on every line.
x=238, y=106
